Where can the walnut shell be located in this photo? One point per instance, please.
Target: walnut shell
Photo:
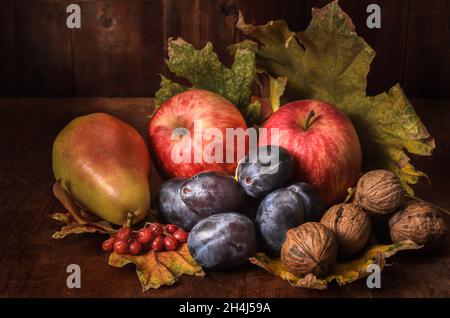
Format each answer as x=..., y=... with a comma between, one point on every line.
x=419, y=222
x=350, y=224
x=309, y=248
x=379, y=192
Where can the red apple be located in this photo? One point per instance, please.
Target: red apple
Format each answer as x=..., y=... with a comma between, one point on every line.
x=191, y=149
x=322, y=141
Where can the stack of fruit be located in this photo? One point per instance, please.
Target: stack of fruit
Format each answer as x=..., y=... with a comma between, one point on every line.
x=275, y=201
x=218, y=209
x=227, y=216
x=266, y=205
x=305, y=159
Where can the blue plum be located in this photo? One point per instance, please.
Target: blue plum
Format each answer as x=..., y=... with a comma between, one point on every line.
x=265, y=169
x=312, y=202
x=213, y=192
x=278, y=212
x=172, y=208
x=223, y=241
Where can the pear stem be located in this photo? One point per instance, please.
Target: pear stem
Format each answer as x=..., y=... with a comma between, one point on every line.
x=309, y=118
x=130, y=217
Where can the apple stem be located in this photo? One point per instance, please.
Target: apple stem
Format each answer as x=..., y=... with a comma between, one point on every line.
x=309, y=118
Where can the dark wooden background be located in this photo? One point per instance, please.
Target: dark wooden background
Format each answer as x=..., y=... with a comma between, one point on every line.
x=119, y=49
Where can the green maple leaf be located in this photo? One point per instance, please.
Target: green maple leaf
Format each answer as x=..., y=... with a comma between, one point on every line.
x=203, y=69
x=330, y=62
x=167, y=90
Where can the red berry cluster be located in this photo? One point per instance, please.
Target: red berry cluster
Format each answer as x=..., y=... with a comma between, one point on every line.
x=152, y=236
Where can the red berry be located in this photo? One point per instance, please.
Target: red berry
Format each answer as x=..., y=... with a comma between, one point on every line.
x=121, y=246
x=158, y=243
x=181, y=236
x=144, y=235
x=124, y=233
x=156, y=229
x=107, y=245
x=171, y=228
x=170, y=243
x=135, y=247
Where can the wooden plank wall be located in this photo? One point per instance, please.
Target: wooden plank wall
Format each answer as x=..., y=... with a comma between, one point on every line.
x=120, y=48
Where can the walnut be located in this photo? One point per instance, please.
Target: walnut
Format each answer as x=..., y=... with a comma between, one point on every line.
x=379, y=192
x=309, y=248
x=350, y=224
x=419, y=222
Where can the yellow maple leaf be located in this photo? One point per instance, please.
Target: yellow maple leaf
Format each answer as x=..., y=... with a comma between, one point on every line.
x=343, y=272
x=76, y=221
x=155, y=269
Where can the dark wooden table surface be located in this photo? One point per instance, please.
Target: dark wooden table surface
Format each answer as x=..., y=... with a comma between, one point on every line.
x=32, y=264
